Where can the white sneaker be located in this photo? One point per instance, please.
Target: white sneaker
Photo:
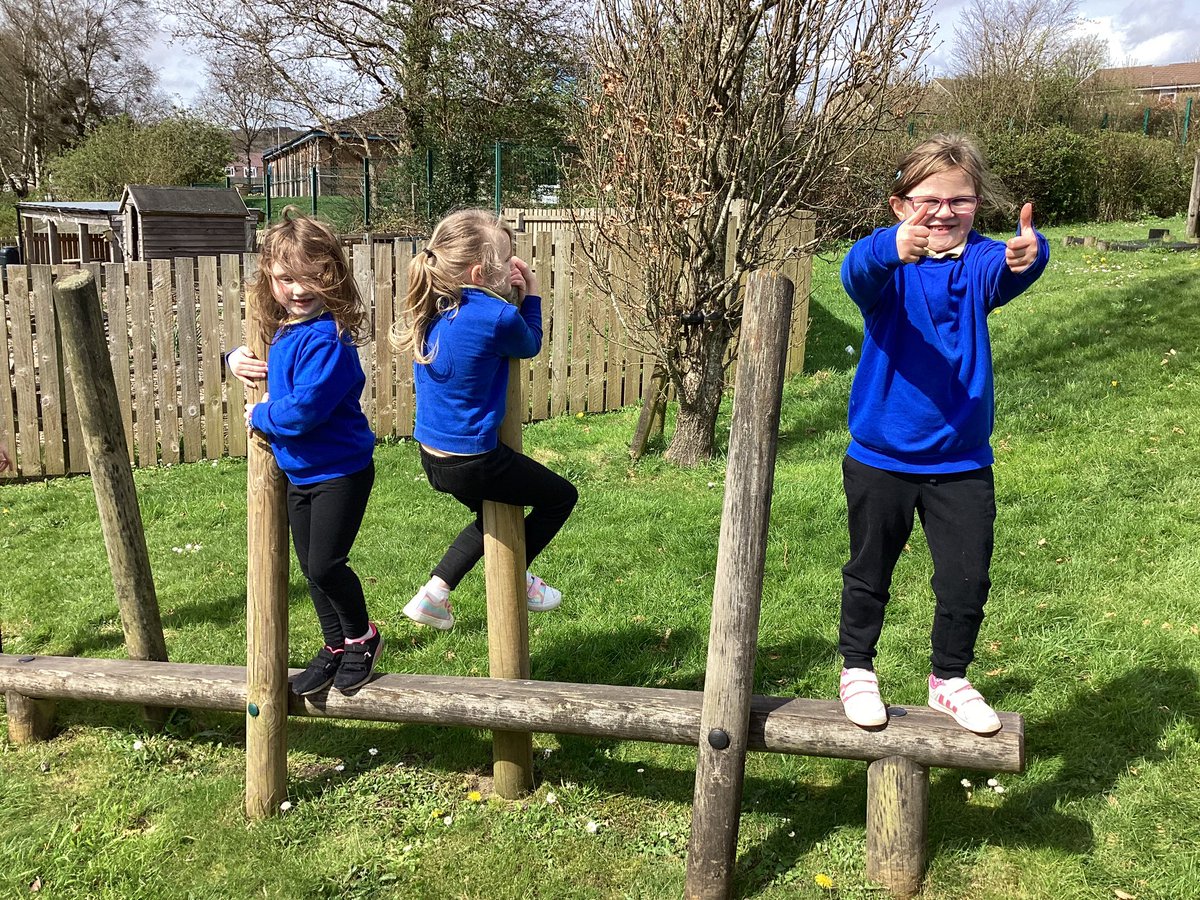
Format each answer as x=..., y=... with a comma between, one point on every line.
x=539, y=596
x=859, y=691
x=955, y=697
x=429, y=608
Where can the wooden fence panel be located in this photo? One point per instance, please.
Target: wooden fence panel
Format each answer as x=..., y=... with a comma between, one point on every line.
x=189, y=362
x=385, y=376
x=116, y=309
x=579, y=294
x=361, y=267
x=210, y=356
x=540, y=395
x=49, y=369
x=8, y=407
x=524, y=249
x=559, y=359
x=594, y=330
x=613, y=364
x=166, y=393
x=232, y=319
x=143, y=363
x=25, y=374
x=405, y=401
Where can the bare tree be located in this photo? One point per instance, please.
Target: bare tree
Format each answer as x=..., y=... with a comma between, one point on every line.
x=705, y=126
x=1017, y=65
x=242, y=94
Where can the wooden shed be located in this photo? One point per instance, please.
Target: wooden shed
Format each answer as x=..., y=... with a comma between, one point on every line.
x=68, y=231
x=165, y=222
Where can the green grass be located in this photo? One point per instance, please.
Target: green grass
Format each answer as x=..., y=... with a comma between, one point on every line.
x=1092, y=635
x=342, y=213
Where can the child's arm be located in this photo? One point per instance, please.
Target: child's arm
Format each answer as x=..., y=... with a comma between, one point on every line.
x=871, y=261
x=519, y=333
x=1025, y=258
x=325, y=372
x=246, y=366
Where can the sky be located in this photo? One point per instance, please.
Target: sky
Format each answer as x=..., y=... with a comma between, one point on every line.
x=1142, y=32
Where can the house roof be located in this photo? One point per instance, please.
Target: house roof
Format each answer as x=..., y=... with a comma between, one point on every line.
x=1179, y=76
x=181, y=201
x=383, y=124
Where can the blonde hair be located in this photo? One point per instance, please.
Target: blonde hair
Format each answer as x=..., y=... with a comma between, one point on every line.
x=463, y=239
x=941, y=153
x=310, y=252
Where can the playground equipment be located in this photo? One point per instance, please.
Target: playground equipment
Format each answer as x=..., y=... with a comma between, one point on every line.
x=724, y=721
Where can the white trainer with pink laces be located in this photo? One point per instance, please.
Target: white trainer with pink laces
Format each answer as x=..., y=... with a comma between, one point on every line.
x=956, y=698
x=539, y=596
x=859, y=691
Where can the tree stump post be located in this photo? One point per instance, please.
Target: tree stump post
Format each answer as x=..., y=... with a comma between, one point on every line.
x=897, y=822
x=737, y=593
x=267, y=559
x=29, y=720
x=508, y=618
x=85, y=350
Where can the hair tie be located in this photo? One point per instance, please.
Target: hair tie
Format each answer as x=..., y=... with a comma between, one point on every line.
x=429, y=253
x=899, y=172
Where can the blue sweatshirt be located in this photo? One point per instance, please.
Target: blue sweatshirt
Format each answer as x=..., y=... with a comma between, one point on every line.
x=312, y=416
x=461, y=391
x=922, y=399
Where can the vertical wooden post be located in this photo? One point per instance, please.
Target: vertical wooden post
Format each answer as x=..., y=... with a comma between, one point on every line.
x=897, y=819
x=508, y=619
x=54, y=248
x=1194, y=201
x=29, y=720
x=266, y=612
x=737, y=593
x=85, y=349
x=85, y=243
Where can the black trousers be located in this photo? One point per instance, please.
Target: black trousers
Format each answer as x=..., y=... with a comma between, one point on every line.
x=958, y=514
x=325, y=518
x=502, y=476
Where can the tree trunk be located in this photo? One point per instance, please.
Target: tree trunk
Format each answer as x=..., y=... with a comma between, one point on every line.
x=699, y=401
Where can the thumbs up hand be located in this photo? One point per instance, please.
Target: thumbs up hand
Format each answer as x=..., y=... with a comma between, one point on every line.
x=1021, y=252
x=912, y=237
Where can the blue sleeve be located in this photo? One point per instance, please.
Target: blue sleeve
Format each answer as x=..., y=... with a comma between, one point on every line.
x=1004, y=285
x=519, y=329
x=323, y=374
x=869, y=266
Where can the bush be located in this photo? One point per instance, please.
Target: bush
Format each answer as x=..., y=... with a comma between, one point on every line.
x=1142, y=176
x=1055, y=168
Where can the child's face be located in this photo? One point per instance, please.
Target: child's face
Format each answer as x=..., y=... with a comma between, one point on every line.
x=294, y=295
x=947, y=229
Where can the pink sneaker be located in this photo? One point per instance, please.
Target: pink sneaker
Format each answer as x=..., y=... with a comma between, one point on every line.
x=539, y=596
x=861, y=702
x=956, y=698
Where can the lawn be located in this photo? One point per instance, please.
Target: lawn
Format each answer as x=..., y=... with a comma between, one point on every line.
x=1093, y=634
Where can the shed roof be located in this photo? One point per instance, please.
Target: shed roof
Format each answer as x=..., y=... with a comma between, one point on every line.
x=70, y=206
x=181, y=201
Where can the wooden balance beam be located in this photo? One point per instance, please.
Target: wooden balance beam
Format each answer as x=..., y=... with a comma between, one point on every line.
x=777, y=724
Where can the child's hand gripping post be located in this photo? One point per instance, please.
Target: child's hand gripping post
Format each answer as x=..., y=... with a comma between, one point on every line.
x=246, y=366
x=1021, y=252
x=912, y=237
x=250, y=409
x=523, y=279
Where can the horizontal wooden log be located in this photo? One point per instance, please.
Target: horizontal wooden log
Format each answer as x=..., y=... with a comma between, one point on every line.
x=777, y=724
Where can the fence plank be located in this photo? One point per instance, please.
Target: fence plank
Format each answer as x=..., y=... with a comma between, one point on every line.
x=25, y=375
x=189, y=363
x=231, y=318
x=540, y=395
x=50, y=377
x=405, y=401
x=579, y=294
x=559, y=364
x=594, y=329
x=210, y=356
x=167, y=383
x=115, y=308
x=385, y=379
x=525, y=249
x=8, y=409
x=613, y=374
x=361, y=266
x=143, y=363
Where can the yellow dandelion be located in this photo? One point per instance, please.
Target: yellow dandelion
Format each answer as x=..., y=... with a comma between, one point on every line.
x=437, y=814
x=579, y=415
x=474, y=796
x=823, y=881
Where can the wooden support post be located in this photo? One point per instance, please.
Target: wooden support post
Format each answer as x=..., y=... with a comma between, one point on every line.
x=267, y=562
x=897, y=821
x=54, y=247
x=737, y=592
x=85, y=349
x=29, y=720
x=1194, y=202
x=85, y=244
x=508, y=619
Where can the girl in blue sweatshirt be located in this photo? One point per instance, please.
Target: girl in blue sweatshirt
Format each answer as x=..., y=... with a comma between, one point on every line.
x=921, y=416
x=311, y=314
x=473, y=306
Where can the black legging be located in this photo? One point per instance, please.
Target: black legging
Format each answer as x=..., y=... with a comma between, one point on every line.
x=502, y=476
x=325, y=518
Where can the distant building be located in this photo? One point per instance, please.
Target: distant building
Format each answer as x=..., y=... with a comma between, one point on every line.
x=373, y=135
x=1164, y=84
x=165, y=222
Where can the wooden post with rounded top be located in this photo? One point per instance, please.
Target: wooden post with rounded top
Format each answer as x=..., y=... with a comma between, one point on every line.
x=85, y=352
x=737, y=592
x=266, y=611
x=508, y=619
x=897, y=817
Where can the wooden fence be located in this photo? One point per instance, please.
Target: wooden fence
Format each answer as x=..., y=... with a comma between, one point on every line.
x=170, y=322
